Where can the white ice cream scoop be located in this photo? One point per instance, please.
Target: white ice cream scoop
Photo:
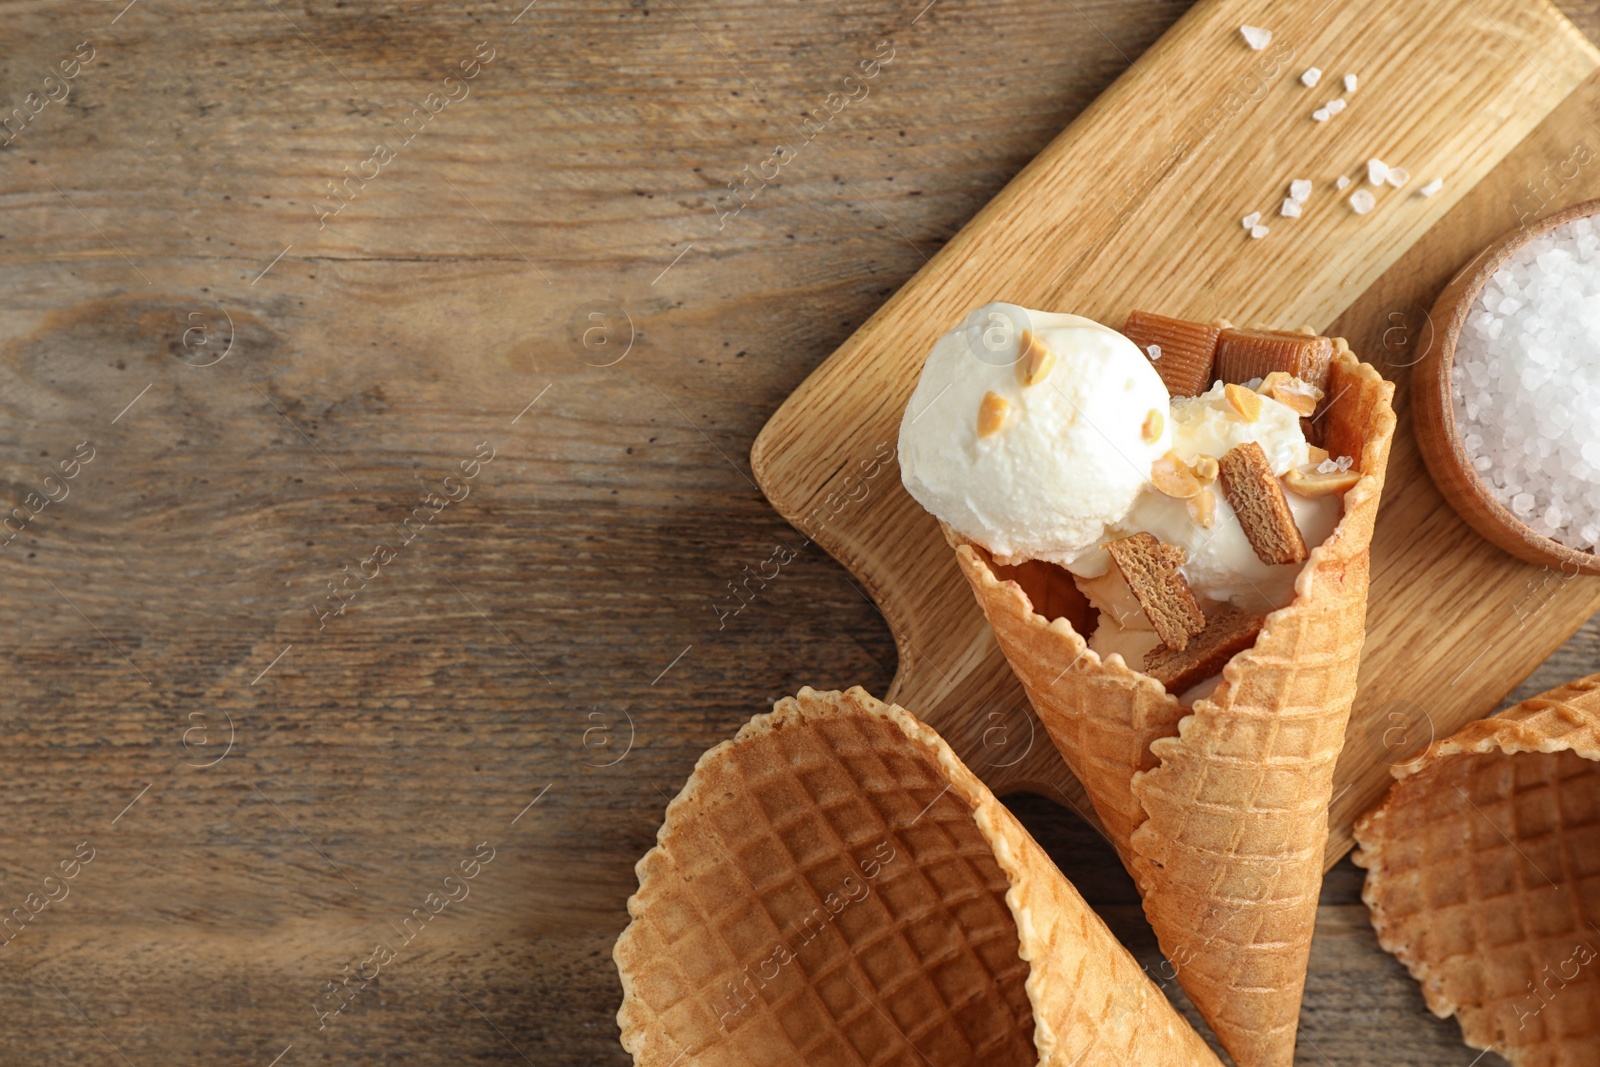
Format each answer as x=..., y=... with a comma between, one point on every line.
x=1032, y=433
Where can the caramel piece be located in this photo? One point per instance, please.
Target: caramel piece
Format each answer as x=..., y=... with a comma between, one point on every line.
x=1186, y=348
x=1228, y=631
x=1257, y=499
x=1151, y=570
x=1246, y=354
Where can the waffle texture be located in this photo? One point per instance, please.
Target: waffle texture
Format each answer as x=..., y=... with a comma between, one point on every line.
x=1220, y=811
x=1483, y=877
x=834, y=888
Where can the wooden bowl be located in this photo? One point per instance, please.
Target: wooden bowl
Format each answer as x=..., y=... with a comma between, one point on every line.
x=1435, y=413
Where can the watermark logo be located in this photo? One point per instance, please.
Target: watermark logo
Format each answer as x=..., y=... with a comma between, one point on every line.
x=207, y=337
x=601, y=335
x=601, y=738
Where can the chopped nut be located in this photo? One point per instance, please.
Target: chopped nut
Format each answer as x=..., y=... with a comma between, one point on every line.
x=1171, y=476
x=1037, y=359
x=1204, y=467
x=1315, y=483
x=1287, y=389
x=1203, y=508
x=1246, y=402
x=992, y=414
x=1317, y=454
x=1153, y=425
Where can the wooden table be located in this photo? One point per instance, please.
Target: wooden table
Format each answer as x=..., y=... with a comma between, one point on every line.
x=419, y=490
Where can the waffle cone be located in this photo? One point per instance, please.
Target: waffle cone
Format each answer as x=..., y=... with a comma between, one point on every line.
x=1219, y=811
x=1483, y=877
x=834, y=887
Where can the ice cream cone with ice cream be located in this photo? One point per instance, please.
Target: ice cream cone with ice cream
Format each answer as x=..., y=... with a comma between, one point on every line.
x=1179, y=582
x=833, y=887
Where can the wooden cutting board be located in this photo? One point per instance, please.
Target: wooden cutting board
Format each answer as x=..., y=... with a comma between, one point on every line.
x=1137, y=204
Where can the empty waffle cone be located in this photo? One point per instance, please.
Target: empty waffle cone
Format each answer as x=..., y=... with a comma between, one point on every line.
x=1483, y=877
x=1219, y=811
x=834, y=888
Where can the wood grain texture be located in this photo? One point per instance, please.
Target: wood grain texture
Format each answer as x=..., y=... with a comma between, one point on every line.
x=595, y=548
x=1210, y=131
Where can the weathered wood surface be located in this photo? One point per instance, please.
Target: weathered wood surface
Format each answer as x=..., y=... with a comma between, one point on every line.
x=502, y=655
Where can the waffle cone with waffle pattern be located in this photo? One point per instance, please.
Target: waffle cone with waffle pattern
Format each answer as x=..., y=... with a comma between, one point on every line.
x=834, y=888
x=1483, y=877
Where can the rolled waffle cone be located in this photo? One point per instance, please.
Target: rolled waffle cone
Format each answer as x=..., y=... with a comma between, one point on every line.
x=1483, y=877
x=1219, y=811
x=834, y=888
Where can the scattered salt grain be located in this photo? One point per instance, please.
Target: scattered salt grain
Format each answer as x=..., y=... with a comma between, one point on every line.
x=1350, y=83
x=1255, y=37
x=1335, y=106
x=1341, y=183
x=1377, y=171
x=1397, y=176
x=1432, y=187
x=1251, y=219
x=1258, y=232
x=1290, y=208
x=1320, y=115
x=1362, y=201
x=1154, y=351
x=1311, y=77
x=1299, y=190
x=1525, y=380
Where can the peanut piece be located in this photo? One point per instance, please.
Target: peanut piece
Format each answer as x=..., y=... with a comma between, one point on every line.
x=1244, y=401
x=1291, y=391
x=1171, y=476
x=992, y=414
x=1036, y=360
x=1153, y=425
x=1315, y=483
x=1203, y=508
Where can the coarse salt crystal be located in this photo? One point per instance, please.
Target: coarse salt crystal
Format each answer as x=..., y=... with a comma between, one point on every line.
x=1256, y=37
x=1311, y=77
x=1525, y=379
x=1349, y=83
x=1258, y=232
x=1432, y=187
x=1341, y=183
x=1327, y=466
x=1362, y=201
x=1335, y=106
x=1320, y=115
x=1397, y=176
x=1154, y=351
x=1299, y=190
x=1344, y=463
x=1251, y=219
x=1290, y=208
x=1377, y=171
